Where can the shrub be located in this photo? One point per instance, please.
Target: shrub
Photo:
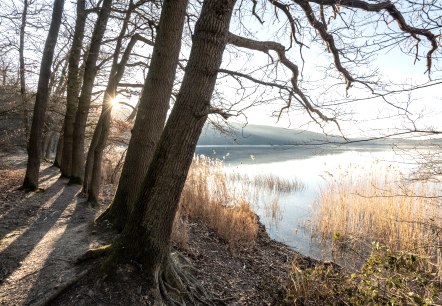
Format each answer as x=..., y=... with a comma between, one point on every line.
x=386, y=278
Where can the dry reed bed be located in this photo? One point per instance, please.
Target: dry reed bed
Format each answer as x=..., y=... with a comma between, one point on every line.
x=207, y=197
x=267, y=181
x=378, y=204
x=221, y=200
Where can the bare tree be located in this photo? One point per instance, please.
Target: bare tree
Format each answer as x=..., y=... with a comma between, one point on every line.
x=22, y=69
x=152, y=112
x=35, y=140
x=92, y=178
x=352, y=33
x=84, y=101
x=146, y=237
x=73, y=88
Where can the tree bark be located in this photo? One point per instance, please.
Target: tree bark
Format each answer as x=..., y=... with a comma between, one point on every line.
x=24, y=100
x=41, y=100
x=152, y=112
x=146, y=236
x=84, y=102
x=73, y=88
x=92, y=179
x=92, y=175
x=50, y=145
x=59, y=152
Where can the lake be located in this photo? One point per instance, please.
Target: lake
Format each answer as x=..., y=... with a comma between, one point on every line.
x=308, y=164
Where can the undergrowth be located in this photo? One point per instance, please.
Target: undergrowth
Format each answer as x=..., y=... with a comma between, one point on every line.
x=386, y=278
x=403, y=266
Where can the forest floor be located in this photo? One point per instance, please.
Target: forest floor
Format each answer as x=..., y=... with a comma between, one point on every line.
x=42, y=234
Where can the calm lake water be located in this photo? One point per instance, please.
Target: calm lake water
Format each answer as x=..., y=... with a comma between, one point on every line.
x=310, y=165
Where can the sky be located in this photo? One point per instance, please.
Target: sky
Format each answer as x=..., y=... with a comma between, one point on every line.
x=373, y=117
x=370, y=117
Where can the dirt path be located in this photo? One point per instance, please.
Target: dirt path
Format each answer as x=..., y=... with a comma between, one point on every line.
x=41, y=235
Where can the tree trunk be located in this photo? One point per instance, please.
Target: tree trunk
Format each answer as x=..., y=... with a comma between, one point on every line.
x=41, y=100
x=146, y=236
x=92, y=177
x=152, y=112
x=91, y=152
x=24, y=101
x=59, y=151
x=92, y=174
x=50, y=145
x=73, y=89
x=84, y=102
x=45, y=143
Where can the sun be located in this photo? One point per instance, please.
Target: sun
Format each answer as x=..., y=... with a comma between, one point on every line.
x=115, y=103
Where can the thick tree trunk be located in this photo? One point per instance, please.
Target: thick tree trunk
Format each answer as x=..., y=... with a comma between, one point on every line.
x=146, y=236
x=41, y=100
x=73, y=89
x=152, y=112
x=84, y=102
x=24, y=101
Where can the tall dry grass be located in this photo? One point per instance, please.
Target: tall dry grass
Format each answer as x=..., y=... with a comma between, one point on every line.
x=209, y=196
x=378, y=204
x=222, y=200
x=268, y=181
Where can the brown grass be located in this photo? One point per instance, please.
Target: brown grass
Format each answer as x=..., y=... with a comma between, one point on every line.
x=361, y=206
x=112, y=164
x=209, y=196
x=219, y=199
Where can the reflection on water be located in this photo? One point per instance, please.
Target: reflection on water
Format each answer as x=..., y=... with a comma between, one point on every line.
x=289, y=220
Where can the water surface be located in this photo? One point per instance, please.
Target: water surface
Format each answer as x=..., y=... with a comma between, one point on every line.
x=309, y=164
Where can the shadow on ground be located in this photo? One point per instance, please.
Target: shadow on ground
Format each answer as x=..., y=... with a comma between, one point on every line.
x=40, y=238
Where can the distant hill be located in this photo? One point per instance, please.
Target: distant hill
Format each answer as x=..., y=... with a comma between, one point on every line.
x=262, y=135
x=253, y=135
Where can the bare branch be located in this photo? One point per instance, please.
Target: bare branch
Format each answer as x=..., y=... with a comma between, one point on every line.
x=266, y=47
x=393, y=12
x=327, y=38
x=254, y=12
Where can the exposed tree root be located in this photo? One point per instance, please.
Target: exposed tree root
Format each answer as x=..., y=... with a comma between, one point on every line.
x=94, y=254
x=174, y=285
x=171, y=283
